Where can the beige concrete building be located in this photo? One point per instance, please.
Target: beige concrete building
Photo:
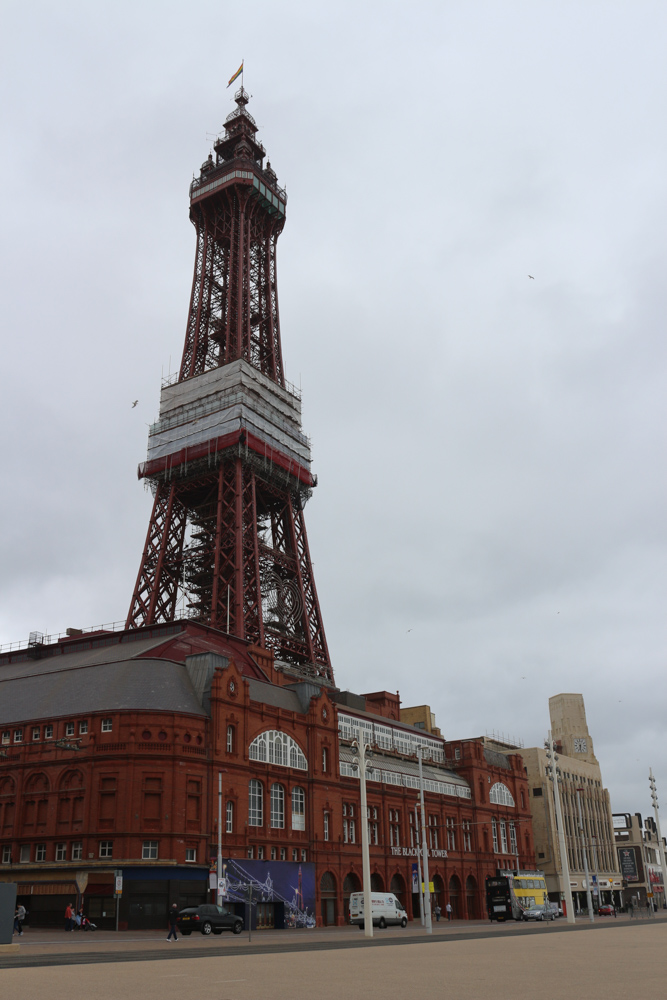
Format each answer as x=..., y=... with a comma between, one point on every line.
x=579, y=769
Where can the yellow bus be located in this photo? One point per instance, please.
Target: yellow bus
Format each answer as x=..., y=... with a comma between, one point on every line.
x=530, y=887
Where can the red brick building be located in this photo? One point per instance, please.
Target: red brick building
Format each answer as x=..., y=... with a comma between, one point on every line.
x=159, y=712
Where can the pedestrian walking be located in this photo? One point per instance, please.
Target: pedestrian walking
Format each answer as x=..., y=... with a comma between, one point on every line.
x=19, y=917
x=448, y=910
x=438, y=911
x=69, y=917
x=173, y=921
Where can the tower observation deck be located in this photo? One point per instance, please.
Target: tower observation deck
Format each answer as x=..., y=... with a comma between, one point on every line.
x=227, y=460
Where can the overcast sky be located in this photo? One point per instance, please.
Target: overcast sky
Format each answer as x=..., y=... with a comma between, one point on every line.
x=489, y=526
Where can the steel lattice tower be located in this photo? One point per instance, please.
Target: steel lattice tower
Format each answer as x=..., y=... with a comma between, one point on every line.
x=227, y=460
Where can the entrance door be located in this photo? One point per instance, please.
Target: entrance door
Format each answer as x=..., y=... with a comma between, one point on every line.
x=329, y=912
x=265, y=916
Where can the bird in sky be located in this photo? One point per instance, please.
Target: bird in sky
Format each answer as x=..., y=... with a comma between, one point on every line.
x=135, y=403
x=409, y=630
x=531, y=277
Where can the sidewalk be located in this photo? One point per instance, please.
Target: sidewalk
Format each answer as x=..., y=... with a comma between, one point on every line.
x=44, y=942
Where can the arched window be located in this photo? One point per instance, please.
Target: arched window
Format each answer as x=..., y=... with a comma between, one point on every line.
x=229, y=817
x=255, y=803
x=231, y=739
x=501, y=795
x=277, y=807
x=298, y=808
x=278, y=748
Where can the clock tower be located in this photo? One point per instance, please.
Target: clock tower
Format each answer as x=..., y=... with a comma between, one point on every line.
x=569, y=727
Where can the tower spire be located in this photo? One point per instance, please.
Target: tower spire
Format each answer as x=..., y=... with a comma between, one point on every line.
x=227, y=460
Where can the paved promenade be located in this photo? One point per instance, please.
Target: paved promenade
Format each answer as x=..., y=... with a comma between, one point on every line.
x=461, y=961
x=466, y=961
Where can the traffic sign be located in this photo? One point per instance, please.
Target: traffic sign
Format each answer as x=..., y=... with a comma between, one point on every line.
x=119, y=885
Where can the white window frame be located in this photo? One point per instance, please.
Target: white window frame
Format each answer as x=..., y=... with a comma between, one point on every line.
x=107, y=725
x=69, y=729
x=255, y=803
x=40, y=853
x=105, y=849
x=77, y=850
x=275, y=747
x=150, y=850
x=500, y=795
x=277, y=799
x=298, y=808
x=61, y=852
x=229, y=816
x=191, y=854
x=326, y=826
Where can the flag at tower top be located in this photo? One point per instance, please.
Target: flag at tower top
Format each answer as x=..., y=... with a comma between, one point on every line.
x=238, y=73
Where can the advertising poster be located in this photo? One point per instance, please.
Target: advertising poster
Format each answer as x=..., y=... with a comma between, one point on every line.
x=290, y=883
x=628, y=861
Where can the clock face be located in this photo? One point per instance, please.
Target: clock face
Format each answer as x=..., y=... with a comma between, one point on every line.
x=232, y=687
x=580, y=745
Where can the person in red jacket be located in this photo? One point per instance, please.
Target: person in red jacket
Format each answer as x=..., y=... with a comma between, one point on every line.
x=69, y=917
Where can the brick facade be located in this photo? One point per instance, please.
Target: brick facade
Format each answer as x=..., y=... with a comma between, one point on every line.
x=141, y=794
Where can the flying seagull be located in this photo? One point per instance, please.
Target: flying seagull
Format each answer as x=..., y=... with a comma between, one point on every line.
x=135, y=403
x=531, y=277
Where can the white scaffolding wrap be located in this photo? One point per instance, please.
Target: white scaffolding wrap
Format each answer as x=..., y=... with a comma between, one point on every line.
x=228, y=399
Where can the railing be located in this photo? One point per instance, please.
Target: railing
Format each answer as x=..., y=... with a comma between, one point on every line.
x=53, y=639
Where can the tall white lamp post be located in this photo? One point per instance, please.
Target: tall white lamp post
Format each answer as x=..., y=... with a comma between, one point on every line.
x=427, y=888
x=661, y=846
x=583, y=848
x=362, y=749
x=552, y=757
x=419, y=866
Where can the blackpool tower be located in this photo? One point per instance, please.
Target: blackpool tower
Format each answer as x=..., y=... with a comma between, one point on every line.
x=228, y=463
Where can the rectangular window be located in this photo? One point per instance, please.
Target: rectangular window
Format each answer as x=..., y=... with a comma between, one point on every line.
x=295, y=854
x=513, y=843
x=149, y=850
x=107, y=725
x=372, y=833
x=24, y=855
x=494, y=831
x=283, y=853
x=433, y=832
x=35, y=732
x=277, y=807
x=106, y=848
x=251, y=853
x=467, y=843
x=451, y=834
x=255, y=803
x=40, y=852
x=326, y=826
x=274, y=853
x=6, y=735
x=18, y=736
x=394, y=828
x=503, y=836
x=298, y=808
x=537, y=792
x=190, y=853
x=352, y=831
x=6, y=855
x=303, y=854
x=229, y=817
x=83, y=728
x=77, y=850
x=69, y=729
x=48, y=732
x=325, y=760
x=230, y=739
x=61, y=852
x=260, y=853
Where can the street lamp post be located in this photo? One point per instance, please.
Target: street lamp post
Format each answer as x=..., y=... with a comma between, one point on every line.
x=359, y=761
x=219, y=864
x=583, y=849
x=552, y=757
x=427, y=889
x=419, y=865
x=661, y=846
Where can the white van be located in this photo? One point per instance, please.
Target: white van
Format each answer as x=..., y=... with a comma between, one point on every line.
x=386, y=909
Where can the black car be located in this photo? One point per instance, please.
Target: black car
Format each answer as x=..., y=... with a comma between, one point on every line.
x=208, y=918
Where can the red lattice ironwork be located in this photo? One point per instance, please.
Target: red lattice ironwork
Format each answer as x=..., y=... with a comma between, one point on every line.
x=228, y=533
